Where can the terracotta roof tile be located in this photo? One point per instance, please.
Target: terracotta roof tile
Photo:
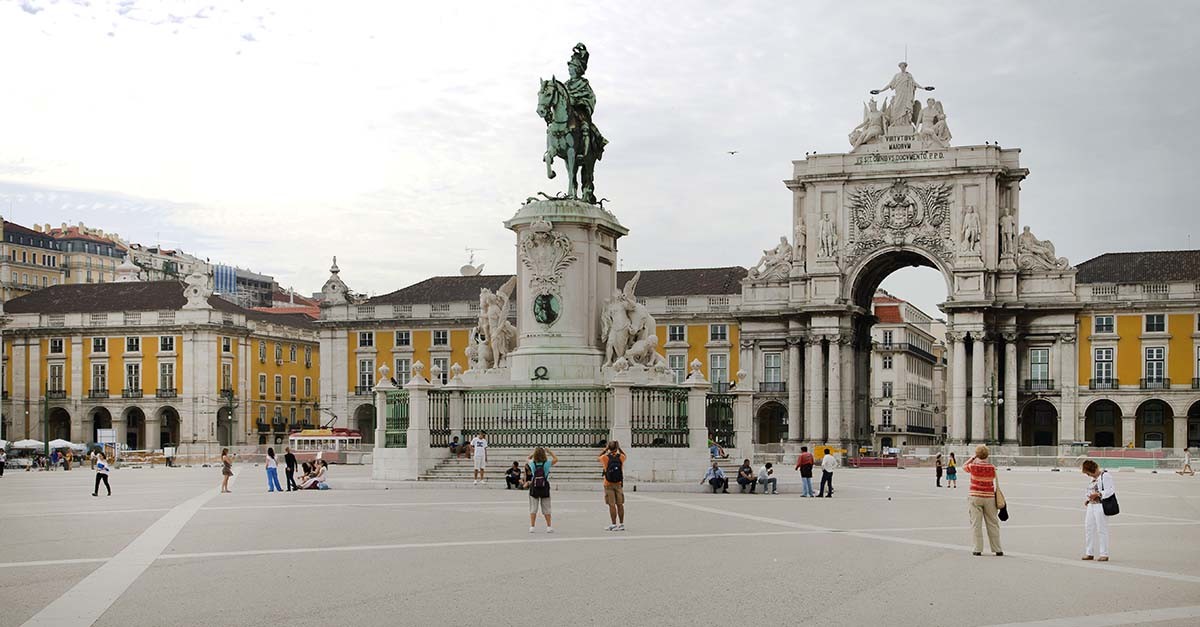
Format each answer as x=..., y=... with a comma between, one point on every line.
x=1141, y=267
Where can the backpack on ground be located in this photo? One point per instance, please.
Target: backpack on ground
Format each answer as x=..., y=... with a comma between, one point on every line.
x=612, y=471
x=539, y=488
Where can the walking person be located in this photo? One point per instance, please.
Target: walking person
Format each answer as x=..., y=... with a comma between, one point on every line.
x=804, y=463
x=102, y=469
x=226, y=470
x=939, y=470
x=1095, y=521
x=1186, y=470
x=272, y=472
x=613, y=461
x=92, y=459
x=539, y=486
x=952, y=472
x=479, y=445
x=829, y=463
x=289, y=467
x=981, y=501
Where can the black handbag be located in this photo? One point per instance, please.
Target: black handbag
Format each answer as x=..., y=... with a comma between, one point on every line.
x=1111, y=508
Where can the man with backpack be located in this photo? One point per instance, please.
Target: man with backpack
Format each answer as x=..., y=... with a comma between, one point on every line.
x=613, y=461
x=539, y=486
x=804, y=463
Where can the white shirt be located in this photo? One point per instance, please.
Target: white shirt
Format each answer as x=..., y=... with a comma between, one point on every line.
x=1103, y=484
x=102, y=467
x=480, y=446
x=271, y=463
x=829, y=463
x=763, y=472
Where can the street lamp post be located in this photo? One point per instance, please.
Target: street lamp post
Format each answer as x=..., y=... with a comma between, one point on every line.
x=994, y=399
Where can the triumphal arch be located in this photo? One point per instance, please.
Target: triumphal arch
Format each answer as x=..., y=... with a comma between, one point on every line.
x=905, y=195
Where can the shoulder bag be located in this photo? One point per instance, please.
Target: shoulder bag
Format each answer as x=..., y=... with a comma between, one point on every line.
x=1111, y=508
x=1001, y=503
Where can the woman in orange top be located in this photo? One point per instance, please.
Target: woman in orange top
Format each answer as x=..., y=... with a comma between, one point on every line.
x=981, y=501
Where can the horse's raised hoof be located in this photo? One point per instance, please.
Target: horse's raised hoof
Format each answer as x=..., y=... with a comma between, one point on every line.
x=551, y=174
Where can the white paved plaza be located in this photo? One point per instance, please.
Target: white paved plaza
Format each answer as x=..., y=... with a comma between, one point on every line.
x=167, y=549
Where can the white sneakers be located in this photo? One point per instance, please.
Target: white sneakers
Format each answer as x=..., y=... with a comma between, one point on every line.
x=549, y=529
x=620, y=527
x=531, y=530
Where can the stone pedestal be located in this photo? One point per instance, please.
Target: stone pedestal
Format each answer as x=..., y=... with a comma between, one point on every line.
x=566, y=268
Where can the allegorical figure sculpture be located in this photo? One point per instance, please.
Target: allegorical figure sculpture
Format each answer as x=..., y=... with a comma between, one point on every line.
x=627, y=329
x=901, y=109
x=1008, y=233
x=933, y=124
x=828, y=235
x=496, y=336
x=570, y=133
x=871, y=127
x=775, y=262
x=1036, y=254
x=971, y=231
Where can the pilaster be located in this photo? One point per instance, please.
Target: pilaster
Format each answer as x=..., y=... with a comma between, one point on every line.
x=958, y=387
x=795, y=418
x=1070, y=427
x=834, y=433
x=1011, y=437
x=978, y=384
x=382, y=387
x=814, y=411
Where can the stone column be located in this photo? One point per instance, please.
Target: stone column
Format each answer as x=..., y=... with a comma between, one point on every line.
x=418, y=417
x=814, y=410
x=382, y=387
x=746, y=364
x=958, y=388
x=1180, y=433
x=978, y=385
x=743, y=420
x=458, y=411
x=153, y=432
x=698, y=388
x=847, y=392
x=1070, y=428
x=1011, y=437
x=621, y=409
x=834, y=433
x=795, y=425
x=1128, y=435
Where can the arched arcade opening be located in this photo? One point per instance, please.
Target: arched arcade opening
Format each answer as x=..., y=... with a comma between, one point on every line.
x=1039, y=424
x=1102, y=424
x=364, y=421
x=1154, y=426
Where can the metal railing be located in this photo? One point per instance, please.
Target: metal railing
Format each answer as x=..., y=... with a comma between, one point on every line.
x=773, y=387
x=907, y=347
x=1196, y=383
x=165, y=393
x=659, y=417
x=1039, y=385
x=718, y=419
x=362, y=390
x=558, y=418
x=439, y=418
x=131, y=393
x=1103, y=384
x=720, y=387
x=395, y=426
x=56, y=394
x=1155, y=384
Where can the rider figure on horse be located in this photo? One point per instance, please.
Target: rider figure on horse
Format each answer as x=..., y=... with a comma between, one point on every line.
x=589, y=143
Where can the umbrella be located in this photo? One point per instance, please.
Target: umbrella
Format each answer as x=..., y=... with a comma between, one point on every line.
x=27, y=444
x=56, y=444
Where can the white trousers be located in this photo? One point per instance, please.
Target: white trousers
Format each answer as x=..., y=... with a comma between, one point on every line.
x=1095, y=531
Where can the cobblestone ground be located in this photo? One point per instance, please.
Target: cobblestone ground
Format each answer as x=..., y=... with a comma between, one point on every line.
x=890, y=548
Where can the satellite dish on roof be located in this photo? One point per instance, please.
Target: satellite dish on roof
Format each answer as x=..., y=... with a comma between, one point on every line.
x=470, y=269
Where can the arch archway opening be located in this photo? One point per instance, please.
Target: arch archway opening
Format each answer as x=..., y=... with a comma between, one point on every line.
x=101, y=419
x=1193, y=425
x=364, y=421
x=771, y=423
x=168, y=426
x=224, y=426
x=1154, y=425
x=1039, y=424
x=59, y=425
x=1102, y=424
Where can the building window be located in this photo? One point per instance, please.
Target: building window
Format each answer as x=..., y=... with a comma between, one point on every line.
x=772, y=367
x=99, y=345
x=1039, y=364
x=292, y=353
x=1104, y=324
x=262, y=351
x=262, y=385
x=292, y=414
x=307, y=355
x=441, y=338
x=292, y=387
x=133, y=344
x=718, y=367
x=886, y=419
x=262, y=413
x=442, y=364
x=1102, y=365
x=675, y=333
x=133, y=376
x=366, y=339
x=227, y=377
x=366, y=370
x=403, y=365
x=1156, y=323
x=278, y=353
x=678, y=365
x=307, y=387
x=403, y=338
x=56, y=346
x=166, y=343
x=718, y=332
x=99, y=376
x=887, y=362
x=278, y=386
x=55, y=384
x=226, y=345
x=308, y=415
x=887, y=389
x=166, y=375
x=1155, y=363
x=887, y=338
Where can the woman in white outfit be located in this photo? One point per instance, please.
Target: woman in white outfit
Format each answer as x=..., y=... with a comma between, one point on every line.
x=1095, y=523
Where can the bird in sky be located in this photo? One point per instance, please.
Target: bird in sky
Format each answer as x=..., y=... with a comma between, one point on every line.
x=732, y=152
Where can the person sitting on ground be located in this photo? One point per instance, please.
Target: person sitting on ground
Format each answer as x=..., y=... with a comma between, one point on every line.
x=745, y=477
x=715, y=451
x=459, y=449
x=716, y=478
x=316, y=477
x=512, y=477
x=766, y=478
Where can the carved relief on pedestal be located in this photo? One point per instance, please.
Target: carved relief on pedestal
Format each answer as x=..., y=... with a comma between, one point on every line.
x=1036, y=254
x=900, y=214
x=775, y=264
x=545, y=253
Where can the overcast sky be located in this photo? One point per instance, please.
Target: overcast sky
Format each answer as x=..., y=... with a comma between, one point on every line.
x=395, y=135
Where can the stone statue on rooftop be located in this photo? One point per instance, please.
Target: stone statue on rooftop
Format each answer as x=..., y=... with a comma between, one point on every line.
x=570, y=133
x=903, y=111
x=871, y=127
x=775, y=262
x=1036, y=254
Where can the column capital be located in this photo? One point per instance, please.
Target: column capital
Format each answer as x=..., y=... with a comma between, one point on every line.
x=1066, y=338
x=746, y=344
x=956, y=337
x=1010, y=336
x=813, y=339
x=796, y=340
x=981, y=336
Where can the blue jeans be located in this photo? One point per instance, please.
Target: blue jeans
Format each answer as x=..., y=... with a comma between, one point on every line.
x=769, y=482
x=273, y=480
x=807, y=481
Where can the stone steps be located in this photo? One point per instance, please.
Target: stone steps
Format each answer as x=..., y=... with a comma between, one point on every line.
x=574, y=465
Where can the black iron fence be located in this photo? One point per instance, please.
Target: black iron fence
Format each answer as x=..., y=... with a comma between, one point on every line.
x=395, y=432
x=519, y=418
x=660, y=417
x=439, y=419
x=718, y=418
